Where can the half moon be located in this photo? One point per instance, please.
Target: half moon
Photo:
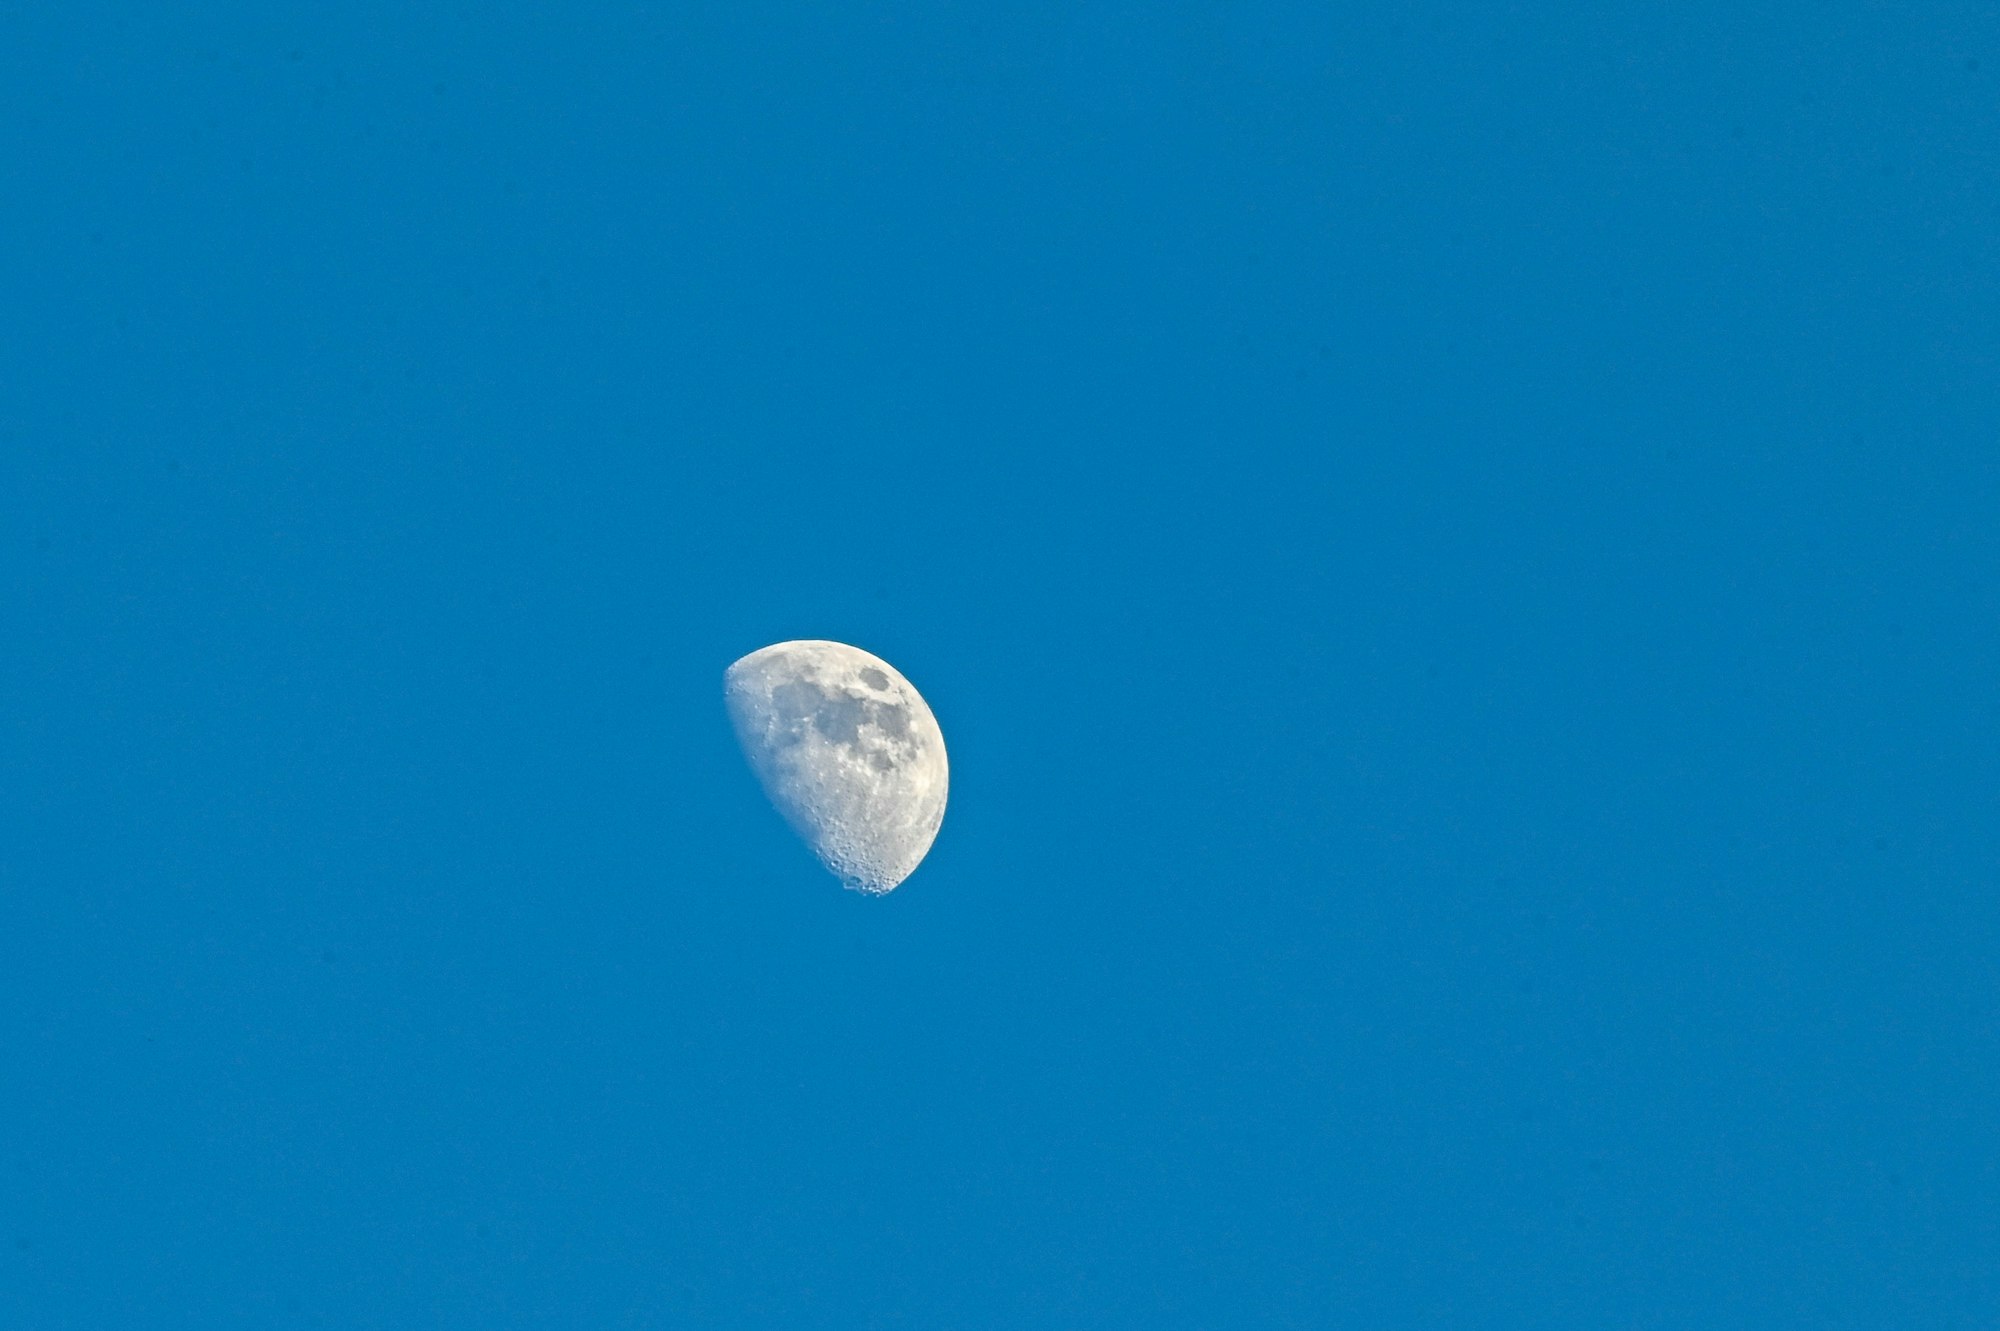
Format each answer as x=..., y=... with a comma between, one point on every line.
x=849, y=753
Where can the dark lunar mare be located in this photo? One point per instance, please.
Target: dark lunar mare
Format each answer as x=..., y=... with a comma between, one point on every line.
x=839, y=715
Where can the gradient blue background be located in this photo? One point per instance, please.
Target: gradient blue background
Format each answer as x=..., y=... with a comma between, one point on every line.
x=1456, y=555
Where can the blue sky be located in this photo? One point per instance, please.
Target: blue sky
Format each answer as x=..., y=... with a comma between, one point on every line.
x=1455, y=554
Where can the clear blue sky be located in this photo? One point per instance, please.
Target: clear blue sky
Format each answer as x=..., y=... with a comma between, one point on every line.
x=1455, y=553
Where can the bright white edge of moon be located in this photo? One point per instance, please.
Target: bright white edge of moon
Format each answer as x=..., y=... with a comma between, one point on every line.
x=847, y=750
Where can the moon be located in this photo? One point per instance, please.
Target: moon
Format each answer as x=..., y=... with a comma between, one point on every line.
x=847, y=750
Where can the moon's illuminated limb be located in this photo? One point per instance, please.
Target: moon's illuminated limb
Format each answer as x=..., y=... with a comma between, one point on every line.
x=847, y=750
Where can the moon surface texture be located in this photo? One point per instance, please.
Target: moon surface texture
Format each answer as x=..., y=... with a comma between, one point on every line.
x=849, y=753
